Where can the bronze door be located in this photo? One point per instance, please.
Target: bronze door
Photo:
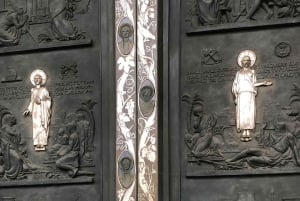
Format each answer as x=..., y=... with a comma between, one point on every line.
x=233, y=97
x=54, y=76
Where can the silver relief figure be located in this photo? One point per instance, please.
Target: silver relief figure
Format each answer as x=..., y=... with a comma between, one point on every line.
x=244, y=89
x=40, y=110
x=125, y=43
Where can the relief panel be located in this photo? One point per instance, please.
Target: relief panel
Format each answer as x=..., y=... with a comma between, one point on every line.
x=42, y=24
x=55, y=147
x=50, y=101
x=203, y=15
x=240, y=116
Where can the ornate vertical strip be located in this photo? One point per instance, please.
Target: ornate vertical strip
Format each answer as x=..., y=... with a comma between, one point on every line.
x=125, y=18
x=147, y=100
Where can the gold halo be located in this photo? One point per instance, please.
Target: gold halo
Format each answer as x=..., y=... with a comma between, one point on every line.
x=244, y=53
x=40, y=73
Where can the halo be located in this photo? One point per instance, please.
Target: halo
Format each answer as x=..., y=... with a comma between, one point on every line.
x=244, y=53
x=38, y=72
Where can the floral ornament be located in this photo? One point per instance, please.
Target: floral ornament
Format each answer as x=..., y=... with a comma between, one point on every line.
x=152, y=140
x=125, y=63
x=141, y=166
x=130, y=108
x=124, y=118
x=120, y=194
x=149, y=153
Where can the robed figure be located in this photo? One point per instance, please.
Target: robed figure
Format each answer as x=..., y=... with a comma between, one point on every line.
x=244, y=89
x=40, y=110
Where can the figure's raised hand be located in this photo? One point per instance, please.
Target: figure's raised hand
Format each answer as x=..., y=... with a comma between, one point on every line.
x=26, y=113
x=268, y=83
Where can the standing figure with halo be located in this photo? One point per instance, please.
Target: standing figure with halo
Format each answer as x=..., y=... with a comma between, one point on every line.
x=40, y=109
x=244, y=89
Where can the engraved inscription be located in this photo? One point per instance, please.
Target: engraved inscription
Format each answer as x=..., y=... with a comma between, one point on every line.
x=7, y=199
x=220, y=74
x=14, y=92
x=278, y=70
x=291, y=199
x=64, y=88
x=72, y=88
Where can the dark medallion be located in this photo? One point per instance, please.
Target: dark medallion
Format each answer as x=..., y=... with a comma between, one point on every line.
x=283, y=50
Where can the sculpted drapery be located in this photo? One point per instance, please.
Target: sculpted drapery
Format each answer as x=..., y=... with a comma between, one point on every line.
x=245, y=91
x=40, y=110
x=39, y=107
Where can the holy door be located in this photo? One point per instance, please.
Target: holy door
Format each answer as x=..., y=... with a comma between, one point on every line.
x=53, y=142
x=233, y=100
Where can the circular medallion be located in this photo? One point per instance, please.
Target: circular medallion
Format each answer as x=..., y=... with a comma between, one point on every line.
x=125, y=37
x=146, y=98
x=283, y=50
x=146, y=93
x=126, y=169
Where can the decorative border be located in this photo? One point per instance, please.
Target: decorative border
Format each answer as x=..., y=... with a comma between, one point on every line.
x=147, y=125
x=238, y=26
x=126, y=101
x=135, y=71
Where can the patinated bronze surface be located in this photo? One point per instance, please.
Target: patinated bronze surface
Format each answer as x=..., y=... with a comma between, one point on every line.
x=52, y=74
x=203, y=121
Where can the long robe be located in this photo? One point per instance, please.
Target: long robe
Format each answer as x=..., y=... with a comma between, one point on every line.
x=62, y=13
x=70, y=155
x=9, y=29
x=207, y=11
x=40, y=108
x=13, y=163
x=245, y=91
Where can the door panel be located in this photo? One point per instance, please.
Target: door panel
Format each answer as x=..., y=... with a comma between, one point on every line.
x=51, y=131
x=229, y=143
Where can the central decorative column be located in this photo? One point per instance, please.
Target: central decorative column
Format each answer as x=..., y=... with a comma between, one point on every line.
x=126, y=128
x=136, y=94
